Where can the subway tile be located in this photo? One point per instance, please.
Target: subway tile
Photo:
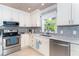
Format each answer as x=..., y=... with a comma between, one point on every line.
x=68, y=31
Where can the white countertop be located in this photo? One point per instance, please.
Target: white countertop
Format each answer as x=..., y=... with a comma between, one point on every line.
x=62, y=38
x=66, y=39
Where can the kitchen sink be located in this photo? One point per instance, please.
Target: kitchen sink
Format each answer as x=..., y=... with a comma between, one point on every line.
x=46, y=35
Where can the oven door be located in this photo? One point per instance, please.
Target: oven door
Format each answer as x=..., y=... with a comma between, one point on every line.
x=9, y=42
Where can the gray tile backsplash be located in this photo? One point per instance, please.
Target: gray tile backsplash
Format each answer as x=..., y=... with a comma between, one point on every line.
x=68, y=31
x=34, y=30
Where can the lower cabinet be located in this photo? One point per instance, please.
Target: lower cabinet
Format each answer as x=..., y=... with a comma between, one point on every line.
x=41, y=45
x=0, y=46
x=44, y=46
x=32, y=40
x=24, y=40
x=74, y=50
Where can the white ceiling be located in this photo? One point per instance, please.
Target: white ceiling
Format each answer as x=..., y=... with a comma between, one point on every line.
x=25, y=6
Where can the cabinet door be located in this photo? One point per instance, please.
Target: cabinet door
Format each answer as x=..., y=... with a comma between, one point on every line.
x=1, y=17
x=38, y=19
x=44, y=47
x=24, y=40
x=37, y=42
x=0, y=45
x=63, y=13
x=35, y=18
x=14, y=15
x=21, y=20
x=27, y=21
x=33, y=41
x=0, y=12
x=6, y=14
x=74, y=50
x=75, y=13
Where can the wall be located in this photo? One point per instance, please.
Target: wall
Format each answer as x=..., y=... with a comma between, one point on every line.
x=49, y=12
x=69, y=31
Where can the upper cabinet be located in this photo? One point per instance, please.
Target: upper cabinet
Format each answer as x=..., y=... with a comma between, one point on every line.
x=0, y=12
x=11, y=14
x=35, y=18
x=6, y=14
x=21, y=19
x=64, y=13
x=67, y=14
x=75, y=13
x=14, y=15
x=24, y=19
x=27, y=20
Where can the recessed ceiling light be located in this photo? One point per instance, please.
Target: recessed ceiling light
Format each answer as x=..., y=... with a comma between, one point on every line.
x=42, y=4
x=29, y=8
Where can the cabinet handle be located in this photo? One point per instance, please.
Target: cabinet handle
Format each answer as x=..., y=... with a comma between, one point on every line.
x=40, y=42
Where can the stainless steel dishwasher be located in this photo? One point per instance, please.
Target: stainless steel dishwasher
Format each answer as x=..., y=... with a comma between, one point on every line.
x=59, y=48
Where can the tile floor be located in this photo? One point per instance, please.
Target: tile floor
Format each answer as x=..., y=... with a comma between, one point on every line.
x=26, y=52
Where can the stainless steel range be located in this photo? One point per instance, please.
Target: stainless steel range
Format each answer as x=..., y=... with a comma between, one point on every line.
x=9, y=39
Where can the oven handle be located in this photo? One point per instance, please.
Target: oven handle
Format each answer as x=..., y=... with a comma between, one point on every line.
x=10, y=37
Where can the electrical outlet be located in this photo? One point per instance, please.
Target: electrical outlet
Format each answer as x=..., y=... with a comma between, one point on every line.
x=74, y=32
x=56, y=32
x=61, y=32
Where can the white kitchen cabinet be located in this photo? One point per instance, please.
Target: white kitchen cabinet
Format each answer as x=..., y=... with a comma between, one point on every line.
x=40, y=44
x=27, y=21
x=74, y=50
x=44, y=47
x=67, y=14
x=0, y=12
x=35, y=18
x=24, y=40
x=21, y=19
x=32, y=40
x=11, y=14
x=24, y=19
x=14, y=15
x=0, y=45
x=6, y=14
x=75, y=13
x=64, y=14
